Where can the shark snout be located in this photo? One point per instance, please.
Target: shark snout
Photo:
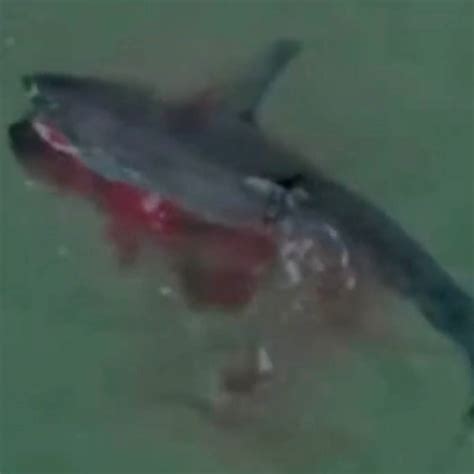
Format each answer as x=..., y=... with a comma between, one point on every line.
x=49, y=91
x=44, y=91
x=30, y=86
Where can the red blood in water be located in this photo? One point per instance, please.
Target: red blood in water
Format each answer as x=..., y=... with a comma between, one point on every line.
x=226, y=266
x=66, y=174
x=219, y=266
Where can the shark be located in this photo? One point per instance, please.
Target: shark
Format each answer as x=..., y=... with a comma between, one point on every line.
x=202, y=178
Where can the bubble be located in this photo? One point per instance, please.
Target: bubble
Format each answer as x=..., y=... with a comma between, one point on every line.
x=9, y=42
x=165, y=291
x=30, y=184
x=264, y=363
x=63, y=251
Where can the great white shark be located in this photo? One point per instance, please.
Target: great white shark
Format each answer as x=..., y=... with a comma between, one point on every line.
x=207, y=160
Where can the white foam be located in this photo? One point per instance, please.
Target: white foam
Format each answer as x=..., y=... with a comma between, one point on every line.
x=151, y=202
x=264, y=363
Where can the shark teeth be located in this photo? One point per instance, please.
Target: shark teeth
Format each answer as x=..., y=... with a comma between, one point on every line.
x=54, y=138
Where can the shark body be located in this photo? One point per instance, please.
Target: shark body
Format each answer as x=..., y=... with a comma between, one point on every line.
x=209, y=158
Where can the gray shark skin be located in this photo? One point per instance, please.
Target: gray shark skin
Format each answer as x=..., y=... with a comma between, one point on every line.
x=176, y=149
x=210, y=156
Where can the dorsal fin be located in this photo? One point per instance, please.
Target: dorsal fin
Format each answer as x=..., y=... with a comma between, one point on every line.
x=241, y=96
x=246, y=93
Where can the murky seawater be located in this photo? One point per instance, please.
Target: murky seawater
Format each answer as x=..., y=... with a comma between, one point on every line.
x=98, y=363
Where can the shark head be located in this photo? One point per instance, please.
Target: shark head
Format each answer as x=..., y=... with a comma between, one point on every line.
x=86, y=109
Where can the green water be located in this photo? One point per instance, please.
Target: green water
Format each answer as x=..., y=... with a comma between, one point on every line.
x=381, y=98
